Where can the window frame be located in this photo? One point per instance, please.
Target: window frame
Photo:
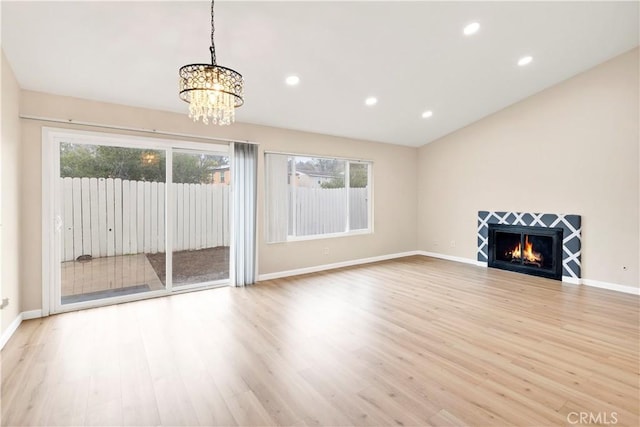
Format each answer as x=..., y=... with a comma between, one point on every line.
x=348, y=232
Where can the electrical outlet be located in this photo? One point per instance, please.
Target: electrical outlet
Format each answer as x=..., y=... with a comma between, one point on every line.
x=453, y=243
x=325, y=251
x=5, y=302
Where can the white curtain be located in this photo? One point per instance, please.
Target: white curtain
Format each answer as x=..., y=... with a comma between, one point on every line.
x=245, y=168
x=276, y=197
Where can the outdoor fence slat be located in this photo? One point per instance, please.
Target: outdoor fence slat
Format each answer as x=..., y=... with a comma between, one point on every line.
x=185, y=217
x=302, y=211
x=219, y=216
x=140, y=215
x=198, y=216
x=147, y=217
x=117, y=211
x=133, y=216
x=224, y=207
x=312, y=199
x=62, y=255
x=161, y=216
x=192, y=215
x=341, y=211
x=179, y=217
x=154, y=218
x=203, y=215
x=208, y=215
x=186, y=239
x=110, y=218
x=86, y=216
x=216, y=199
x=318, y=199
x=102, y=215
x=77, y=218
x=126, y=217
x=290, y=216
x=67, y=218
x=95, y=225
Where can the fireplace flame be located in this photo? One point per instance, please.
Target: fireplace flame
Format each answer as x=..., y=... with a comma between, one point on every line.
x=528, y=255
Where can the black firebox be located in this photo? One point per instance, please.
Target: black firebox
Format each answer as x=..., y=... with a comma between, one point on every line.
x=530, y=250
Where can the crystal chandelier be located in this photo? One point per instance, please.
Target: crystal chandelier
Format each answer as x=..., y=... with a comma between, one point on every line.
x=213, y=92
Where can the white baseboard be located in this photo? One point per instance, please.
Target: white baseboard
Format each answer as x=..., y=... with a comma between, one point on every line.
x=10, y=330
x=453, y=258
x=31, y=314
x=324, y=267
x=611, y=286
x=565, y=279
x=25, y=315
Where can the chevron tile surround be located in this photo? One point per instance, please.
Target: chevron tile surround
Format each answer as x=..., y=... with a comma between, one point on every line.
x=571, y=243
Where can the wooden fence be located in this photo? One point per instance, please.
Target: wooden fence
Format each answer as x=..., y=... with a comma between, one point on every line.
x=324, y=210
x=107, y=217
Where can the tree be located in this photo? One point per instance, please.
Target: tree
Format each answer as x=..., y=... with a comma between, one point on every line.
x=194, y=169
x=98, y=161
x=357, y=178
x=334, y=182
x=358, y=175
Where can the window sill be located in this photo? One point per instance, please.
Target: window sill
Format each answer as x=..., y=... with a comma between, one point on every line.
x=291, y=239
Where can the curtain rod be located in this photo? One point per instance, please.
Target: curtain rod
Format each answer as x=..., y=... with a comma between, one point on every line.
x=133, y=129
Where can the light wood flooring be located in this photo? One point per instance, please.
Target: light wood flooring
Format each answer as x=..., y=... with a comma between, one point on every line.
x=414, y=341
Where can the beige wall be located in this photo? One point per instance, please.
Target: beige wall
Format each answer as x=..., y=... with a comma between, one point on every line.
x=395, y=185
x=10, y=197
x=585, y=129
x=570, y=149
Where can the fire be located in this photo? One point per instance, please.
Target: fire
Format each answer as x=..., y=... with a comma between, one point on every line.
x=528, y=255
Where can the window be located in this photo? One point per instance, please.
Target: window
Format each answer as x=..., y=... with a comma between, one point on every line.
x=315, y=196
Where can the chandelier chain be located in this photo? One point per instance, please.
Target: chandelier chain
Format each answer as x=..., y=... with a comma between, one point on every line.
x=213, y=45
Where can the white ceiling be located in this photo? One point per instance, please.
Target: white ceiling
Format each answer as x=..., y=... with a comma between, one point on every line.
x=411, y=55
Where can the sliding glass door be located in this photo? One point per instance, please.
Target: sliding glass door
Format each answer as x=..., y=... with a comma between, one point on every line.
x=136, y=217
x=201, y=182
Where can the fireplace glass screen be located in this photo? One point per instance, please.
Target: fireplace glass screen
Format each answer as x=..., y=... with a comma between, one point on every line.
x=505, y=245
x=535, y=251
x=531, y=250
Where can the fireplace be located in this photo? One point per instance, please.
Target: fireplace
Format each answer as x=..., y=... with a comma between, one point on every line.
x=530, y=250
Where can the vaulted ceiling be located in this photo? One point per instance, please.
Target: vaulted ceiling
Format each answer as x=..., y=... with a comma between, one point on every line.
x=412, y=56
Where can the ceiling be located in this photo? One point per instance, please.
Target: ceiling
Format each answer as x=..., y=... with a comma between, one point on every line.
x=412, y=56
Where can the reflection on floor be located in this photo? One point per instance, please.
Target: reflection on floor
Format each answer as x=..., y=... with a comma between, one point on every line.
x=107, y=277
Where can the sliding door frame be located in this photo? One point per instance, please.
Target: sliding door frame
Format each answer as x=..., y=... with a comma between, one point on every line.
x=52, y=217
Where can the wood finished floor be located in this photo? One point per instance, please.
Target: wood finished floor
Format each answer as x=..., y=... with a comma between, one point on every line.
x=415, y=341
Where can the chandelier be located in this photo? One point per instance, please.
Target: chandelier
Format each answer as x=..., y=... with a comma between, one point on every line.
x=213, y=92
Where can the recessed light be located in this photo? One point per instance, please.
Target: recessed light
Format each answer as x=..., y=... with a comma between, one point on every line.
x=524, y=60
x=471, y=29
x=370, y=101
x=427, y=114
x=292, y=80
